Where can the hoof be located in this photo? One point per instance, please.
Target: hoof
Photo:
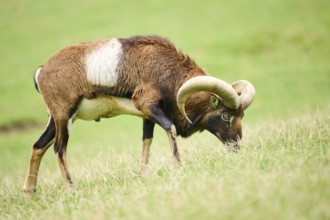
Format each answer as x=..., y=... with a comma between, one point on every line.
x=144, y=169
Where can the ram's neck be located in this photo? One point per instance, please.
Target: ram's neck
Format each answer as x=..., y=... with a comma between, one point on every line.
x=196, y=107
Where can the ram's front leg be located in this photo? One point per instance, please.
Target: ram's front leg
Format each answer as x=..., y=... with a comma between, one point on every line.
x=146, y=99
x=171, y=134
x=157, y=115
x=148, y=131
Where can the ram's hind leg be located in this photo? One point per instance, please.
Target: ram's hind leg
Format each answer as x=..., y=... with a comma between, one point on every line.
x=60, y=148
x=38, y=150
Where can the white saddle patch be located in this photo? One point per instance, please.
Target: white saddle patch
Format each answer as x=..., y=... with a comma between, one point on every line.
x=102, y=63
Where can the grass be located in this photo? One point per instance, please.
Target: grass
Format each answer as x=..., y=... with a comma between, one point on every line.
x=282, y=172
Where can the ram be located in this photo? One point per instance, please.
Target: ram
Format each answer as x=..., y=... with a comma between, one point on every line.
x=145, y=76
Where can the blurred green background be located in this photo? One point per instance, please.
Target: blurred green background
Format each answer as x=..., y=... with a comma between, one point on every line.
x=282, y=47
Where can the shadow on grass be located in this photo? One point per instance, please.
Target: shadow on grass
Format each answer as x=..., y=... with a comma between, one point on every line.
x=19, y=126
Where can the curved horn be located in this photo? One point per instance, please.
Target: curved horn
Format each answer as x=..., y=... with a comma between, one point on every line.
x=245, y=91
x=207, y=84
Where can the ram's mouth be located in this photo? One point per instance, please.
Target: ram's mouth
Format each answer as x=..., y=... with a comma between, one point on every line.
x=233, y=145
x=230, y=144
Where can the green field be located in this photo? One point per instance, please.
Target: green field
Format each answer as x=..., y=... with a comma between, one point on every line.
x=283, y=168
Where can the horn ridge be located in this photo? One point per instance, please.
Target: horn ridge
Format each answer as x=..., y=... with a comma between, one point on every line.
x=245, y=91
x=207, y=84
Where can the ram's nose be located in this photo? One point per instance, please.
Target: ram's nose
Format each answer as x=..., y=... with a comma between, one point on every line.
x=233, y=145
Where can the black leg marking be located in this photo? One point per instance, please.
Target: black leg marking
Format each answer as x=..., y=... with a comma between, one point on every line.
x=62, y=138
x=159, y=117
x=60, y=147
x=38, y=151
x=47, y=136
x=148, y=129
x=175, y=147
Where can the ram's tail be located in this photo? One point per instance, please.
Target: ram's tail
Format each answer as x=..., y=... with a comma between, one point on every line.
x=35, y=78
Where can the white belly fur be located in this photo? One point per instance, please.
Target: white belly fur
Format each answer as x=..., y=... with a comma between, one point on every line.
x=106, y=107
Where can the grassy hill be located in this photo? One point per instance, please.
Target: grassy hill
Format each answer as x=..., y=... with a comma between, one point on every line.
x=282, y=171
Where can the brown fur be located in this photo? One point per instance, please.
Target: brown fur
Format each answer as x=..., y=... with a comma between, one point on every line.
x=151, y=72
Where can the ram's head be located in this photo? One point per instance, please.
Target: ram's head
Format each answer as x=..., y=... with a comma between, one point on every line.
x=227, y=105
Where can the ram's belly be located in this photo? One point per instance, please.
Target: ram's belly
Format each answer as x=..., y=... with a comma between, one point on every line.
x=106, y=107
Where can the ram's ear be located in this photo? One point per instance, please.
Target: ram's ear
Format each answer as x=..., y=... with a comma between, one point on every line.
x=215, y=101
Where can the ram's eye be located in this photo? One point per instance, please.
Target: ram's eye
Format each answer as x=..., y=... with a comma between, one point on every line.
x=225, y=116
